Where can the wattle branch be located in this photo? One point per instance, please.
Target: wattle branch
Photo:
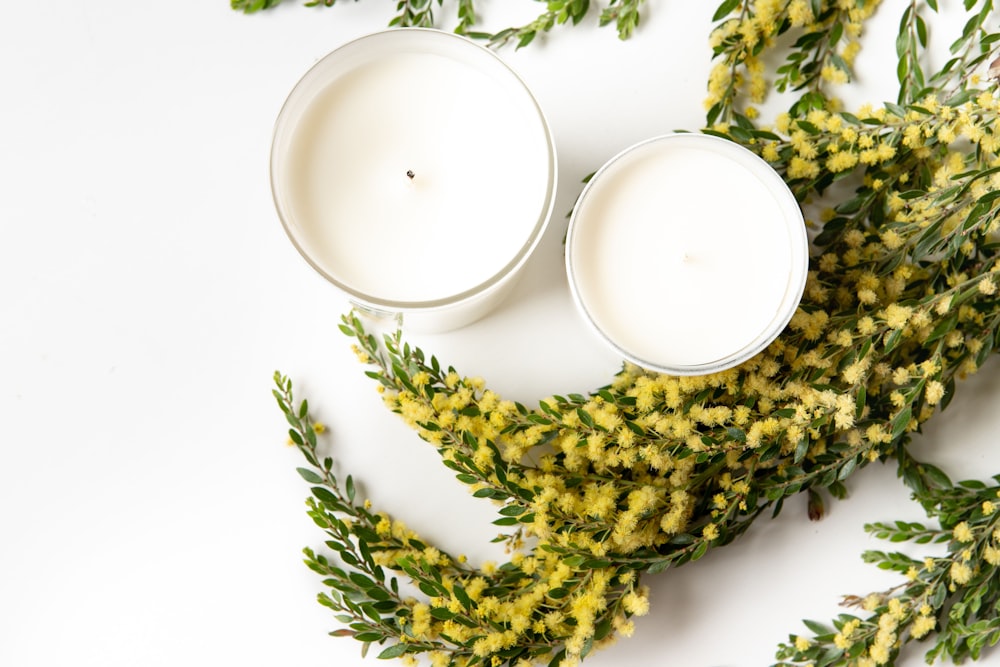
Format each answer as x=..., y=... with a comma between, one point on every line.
x=651, y=471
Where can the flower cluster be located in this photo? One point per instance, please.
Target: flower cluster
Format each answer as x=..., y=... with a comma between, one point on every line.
x=955, y=591
x=596, y=490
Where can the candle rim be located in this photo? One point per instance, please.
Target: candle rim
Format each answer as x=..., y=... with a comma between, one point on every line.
x=284, y=124
x=798, y=273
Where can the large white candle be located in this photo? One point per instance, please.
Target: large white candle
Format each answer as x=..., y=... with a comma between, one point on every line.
x=415, y=171
x=687, y=253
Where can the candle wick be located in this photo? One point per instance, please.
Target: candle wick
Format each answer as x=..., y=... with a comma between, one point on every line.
x=410, y=174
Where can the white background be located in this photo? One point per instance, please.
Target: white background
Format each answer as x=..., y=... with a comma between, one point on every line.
x=149, y=509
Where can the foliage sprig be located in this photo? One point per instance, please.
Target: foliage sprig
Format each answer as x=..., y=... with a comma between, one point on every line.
x=622, y=14
x=596, y=490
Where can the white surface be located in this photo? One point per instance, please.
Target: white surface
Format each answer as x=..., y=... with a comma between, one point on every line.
x=150, y=512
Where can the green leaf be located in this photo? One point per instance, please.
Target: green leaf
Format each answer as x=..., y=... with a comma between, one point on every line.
x=309, y=476
x=326, y=497
x=513, y=510
x=817, y=628
x=847, y=468
x=462, y=596
x=921, y=31
x=442, y=614
x=900, y=422
x=725, y=9
x=393, y=651
x=658, y=566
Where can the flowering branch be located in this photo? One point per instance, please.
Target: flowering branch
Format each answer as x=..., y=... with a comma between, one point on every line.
x=649, y=472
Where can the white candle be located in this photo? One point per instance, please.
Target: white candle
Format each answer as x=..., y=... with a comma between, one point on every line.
x=687, y=253
x=415, y=171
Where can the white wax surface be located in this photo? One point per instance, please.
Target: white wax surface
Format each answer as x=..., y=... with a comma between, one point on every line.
x=682, y=255
x=476, y=144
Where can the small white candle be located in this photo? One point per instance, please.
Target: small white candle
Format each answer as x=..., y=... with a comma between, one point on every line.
x=687, y=253
x=415, y=171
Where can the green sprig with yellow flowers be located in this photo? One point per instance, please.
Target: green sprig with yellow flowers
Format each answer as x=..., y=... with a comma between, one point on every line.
x=598, y=489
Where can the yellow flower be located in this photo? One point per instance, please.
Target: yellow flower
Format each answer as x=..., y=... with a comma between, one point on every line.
x=934, y=392
x=879, y=653
x=962, y=533
x=841, y=161
x=636, y=603
x=960, y=573
x=992, y=555
x=896, y=316
x=834, y=74
x=922, y=625
x=800, y=13
x=799, y=167
x=867, y=296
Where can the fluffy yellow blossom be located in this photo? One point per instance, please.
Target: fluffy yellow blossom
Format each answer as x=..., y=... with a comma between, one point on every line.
x=960, y=573
x=943, y=306
x=421, y=617
x=922, y=625
x=934, y=392
x=866, y=326
x=800, y=13
x=636, y=602
x=799, y=167
x=834, y=74
x=962, y=532
x=867, y=296
x=896, y=316
x=991, y=555
x=841, y=161
x=877, y=434
x=891, y=239
x=803, y=145
x=623, y=626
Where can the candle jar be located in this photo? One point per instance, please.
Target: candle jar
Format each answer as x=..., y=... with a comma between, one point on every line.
x=687, y=254
x=415, y=171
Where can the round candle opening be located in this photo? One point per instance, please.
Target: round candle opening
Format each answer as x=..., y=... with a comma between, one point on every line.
x=687, y=253
x=413, y=169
